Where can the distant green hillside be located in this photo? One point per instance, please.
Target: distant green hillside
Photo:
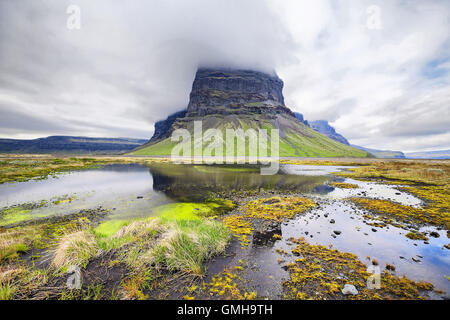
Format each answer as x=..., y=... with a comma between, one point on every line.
x=296, y=139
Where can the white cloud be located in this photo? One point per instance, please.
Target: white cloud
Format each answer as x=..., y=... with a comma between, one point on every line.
x=133, y=62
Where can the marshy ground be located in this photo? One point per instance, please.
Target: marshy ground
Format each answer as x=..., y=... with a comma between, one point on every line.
x=143, y=228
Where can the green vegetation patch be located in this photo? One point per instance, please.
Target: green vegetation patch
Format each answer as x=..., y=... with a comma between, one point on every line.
x=428, y=215
x=277, y=208
x=343, y=185
x=319, y=272
x=193, y=210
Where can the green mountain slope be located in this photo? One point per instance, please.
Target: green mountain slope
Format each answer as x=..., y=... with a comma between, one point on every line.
x=296, y=139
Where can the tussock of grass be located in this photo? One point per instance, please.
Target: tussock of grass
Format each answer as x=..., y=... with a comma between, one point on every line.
x=75, y=249
x=16, y=241
x=15, y=280
x=193, y=244
x=7, y=291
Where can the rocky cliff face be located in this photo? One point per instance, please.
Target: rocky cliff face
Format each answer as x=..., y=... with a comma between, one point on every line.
x=162, y=128
x=323, y=127
x=300, y=117
x=228, y=92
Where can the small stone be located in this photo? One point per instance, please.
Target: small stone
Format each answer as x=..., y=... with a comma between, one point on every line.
x=140, y=197
x=447, y=246
x=332, y=221
x=415, y=259
x=390, y=267
x=434, y=234
x=337, y=232
x=374, y=230
x=349, y=289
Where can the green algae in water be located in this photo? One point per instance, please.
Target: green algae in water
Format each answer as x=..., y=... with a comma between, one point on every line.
x=193, y=210
x=110, y=227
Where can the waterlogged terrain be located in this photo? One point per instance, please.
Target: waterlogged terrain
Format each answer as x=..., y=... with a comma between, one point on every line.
x=156, y=230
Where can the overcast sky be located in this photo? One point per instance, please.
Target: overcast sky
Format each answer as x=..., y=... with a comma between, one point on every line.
x=379, y=71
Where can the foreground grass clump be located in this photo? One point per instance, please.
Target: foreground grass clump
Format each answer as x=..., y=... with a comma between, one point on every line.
x=428, y=215
x=75, y=249
x=343, y=185
x=277, y=208
x=21, y=239
x=321, y=273
x=17, y=281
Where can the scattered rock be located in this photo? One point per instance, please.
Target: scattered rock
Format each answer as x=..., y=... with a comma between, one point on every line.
x=332, y=221
x=337, y=232
x=139, y=197
x=415, y=259
x=447, y=246
x=390, y=267
x=374, y=262
x=374, y=230
x=349, y=289
x=434, y=234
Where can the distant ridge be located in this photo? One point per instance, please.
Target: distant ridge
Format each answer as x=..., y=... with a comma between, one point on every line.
x=70, y=145
x=385, y=154
x=325, y=128
x=439, y=154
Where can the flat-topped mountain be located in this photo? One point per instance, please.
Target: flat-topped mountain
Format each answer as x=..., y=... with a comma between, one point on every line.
x=234, y=92
x=243, y=99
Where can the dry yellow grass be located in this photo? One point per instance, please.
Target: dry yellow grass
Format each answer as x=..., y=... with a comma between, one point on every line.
x=75, y=249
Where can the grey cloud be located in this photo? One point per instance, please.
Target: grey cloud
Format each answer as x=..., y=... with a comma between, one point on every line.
x=133, y=62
